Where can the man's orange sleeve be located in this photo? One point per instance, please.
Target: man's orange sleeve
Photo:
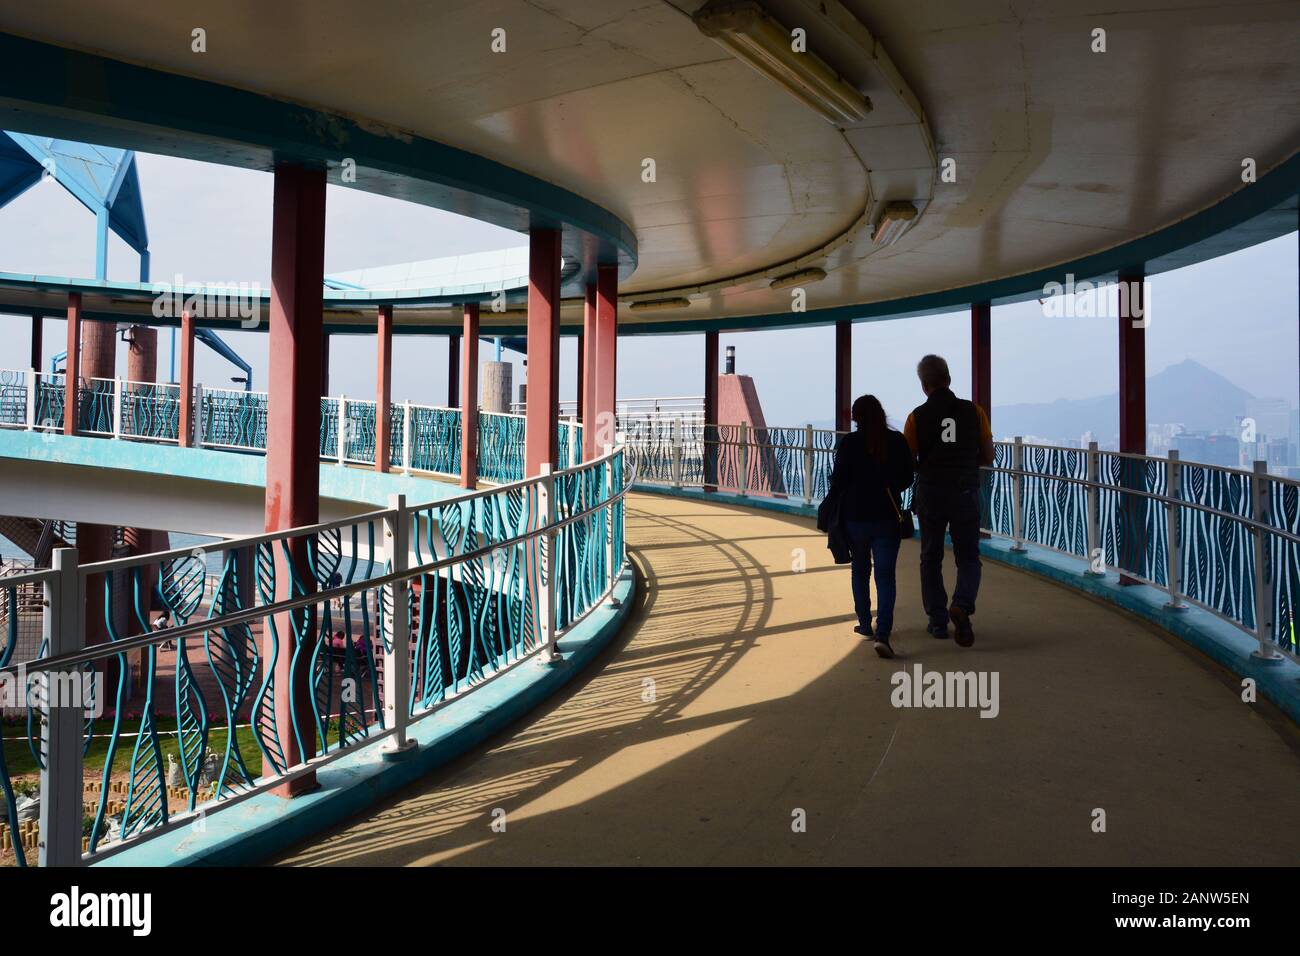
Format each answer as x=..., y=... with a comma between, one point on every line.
x=909, y=432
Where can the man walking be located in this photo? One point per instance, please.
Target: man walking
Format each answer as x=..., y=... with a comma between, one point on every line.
x=951, y=439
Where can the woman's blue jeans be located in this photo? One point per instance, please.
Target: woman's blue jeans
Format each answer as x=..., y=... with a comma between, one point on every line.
x=878, y=542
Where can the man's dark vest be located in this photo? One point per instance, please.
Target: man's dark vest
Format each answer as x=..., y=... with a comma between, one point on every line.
x=954, y=462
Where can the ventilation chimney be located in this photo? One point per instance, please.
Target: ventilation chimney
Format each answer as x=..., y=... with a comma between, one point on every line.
x=731, y=360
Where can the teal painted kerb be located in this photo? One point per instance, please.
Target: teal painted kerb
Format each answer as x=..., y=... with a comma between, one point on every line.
x=1223, y=643
x=265, y=825
x=360, y=485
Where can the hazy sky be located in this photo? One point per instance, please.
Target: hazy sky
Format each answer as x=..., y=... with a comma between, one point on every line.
x=1237, y=314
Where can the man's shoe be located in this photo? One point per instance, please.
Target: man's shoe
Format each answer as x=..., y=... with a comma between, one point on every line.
x=883, y=649
x=961, y=621
x=937, y=631
x=864, y=630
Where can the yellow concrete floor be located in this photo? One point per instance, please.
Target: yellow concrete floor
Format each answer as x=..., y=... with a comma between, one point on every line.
x=739, y=695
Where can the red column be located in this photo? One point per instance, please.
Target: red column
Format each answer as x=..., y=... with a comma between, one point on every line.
x=38, y=335
x=710, y=411
x=293, y=434
x=843, y=376
x=72, y=367
x=384, y=390
x=453, y=371
x=605, y=365
x=325, y=364
x=1132, y=416
x=469, y=399
x=186, y=373
x=1132, y=364
x=589, y=375
x=980, y=356
x=541, y=430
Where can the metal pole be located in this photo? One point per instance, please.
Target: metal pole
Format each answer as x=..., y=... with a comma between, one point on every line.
x=744, y=458
x=808, y=463
x=199, y=416
x=1017, y=493
x=546, y=566
x=1173, y=543
x=406, y=435
x=609, y=521
x=117, y=408
x=33, y=383
x=677, y=452
x=62, y=720
x=1263, y=581
x=397, y=655
x=1094, y=510
x=343, y=428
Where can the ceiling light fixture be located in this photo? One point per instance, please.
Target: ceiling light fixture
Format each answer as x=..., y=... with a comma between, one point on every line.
x=894, y=221
x=659, y=305
x=745, y=29
x=802, y=277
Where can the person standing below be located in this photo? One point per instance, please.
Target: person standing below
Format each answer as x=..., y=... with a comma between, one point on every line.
x=951, y=439
x=873, y=466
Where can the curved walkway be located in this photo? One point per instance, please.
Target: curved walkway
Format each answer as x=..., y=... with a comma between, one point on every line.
x=739, y=695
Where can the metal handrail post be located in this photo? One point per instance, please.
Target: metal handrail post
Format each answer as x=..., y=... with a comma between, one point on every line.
x=1173, y=536
x=1094, y=512
x=62, y=721
x=397, y=653
x=1017, y=496
x=546, y=603
x=1263, y=582
x=808, y=463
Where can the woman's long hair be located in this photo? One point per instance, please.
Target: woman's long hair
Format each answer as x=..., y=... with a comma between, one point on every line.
x=869, y=416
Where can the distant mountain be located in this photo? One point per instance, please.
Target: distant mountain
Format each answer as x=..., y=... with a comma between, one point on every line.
x=1186, y=393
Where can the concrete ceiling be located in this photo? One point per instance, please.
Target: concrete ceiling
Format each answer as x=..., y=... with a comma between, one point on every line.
x=1060, y=152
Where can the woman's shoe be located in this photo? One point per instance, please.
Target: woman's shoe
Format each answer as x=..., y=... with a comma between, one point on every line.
x=883, y=649
x=864, y=630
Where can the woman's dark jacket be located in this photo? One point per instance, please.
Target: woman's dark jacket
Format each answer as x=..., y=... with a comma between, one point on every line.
x=861, y=482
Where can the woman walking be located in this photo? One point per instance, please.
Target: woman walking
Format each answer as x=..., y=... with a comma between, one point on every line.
x=873, y=466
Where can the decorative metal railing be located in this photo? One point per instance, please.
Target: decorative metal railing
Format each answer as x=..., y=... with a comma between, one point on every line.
x=1197, y=531
x=234, y=420
x=376, y=620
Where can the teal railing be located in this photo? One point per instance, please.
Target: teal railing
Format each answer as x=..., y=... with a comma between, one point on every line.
x=383, y=618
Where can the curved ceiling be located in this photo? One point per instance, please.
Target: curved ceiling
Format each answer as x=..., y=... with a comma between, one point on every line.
x=1059, y=152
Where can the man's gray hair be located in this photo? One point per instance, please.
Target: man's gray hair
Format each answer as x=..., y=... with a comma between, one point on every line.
x=932, y=370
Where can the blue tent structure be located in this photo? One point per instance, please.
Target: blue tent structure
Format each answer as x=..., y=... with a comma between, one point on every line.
x=105, y=180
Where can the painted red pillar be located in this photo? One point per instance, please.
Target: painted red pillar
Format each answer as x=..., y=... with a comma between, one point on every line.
x=710, y=411
x=605, y=365
x=541, y=432
x=186, y=373
x=469, y=399
x=453, y=371
x=325, y=364
x=293, y=436
x=981, y=356
x=589, y=375
x=72, y=367
x=38, y=343
x=384, y=390
x=1132, y=416
x=843, y=376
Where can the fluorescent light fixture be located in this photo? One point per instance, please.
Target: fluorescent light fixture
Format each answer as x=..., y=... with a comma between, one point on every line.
x=745, y=29
x=659, y=305
x=802, y=277
x=894, y=221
